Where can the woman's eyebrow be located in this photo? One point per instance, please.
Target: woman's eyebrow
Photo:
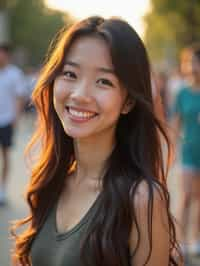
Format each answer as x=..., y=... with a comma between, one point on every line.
x=100, y=69
x=72, y=64
x=106, y=70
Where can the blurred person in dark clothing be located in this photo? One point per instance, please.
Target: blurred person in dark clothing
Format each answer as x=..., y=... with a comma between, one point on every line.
x=12, y=91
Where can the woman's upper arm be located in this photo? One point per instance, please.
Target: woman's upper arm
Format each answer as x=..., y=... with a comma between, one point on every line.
x=160, y=244
x=176, y=127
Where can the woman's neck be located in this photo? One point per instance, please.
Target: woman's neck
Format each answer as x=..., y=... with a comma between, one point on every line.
x=91, y=156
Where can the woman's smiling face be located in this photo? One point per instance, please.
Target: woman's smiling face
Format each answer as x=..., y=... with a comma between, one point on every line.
x=88, y=97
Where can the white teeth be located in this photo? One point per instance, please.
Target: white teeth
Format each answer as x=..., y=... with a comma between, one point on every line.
x=80, y=114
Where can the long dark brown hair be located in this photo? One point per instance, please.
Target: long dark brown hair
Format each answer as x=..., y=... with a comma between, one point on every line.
x=139, y=136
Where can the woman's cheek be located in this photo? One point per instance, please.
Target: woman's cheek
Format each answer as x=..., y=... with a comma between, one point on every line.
x=60, y=90
x=113, y=99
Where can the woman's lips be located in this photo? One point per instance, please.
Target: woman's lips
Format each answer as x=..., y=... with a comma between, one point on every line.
x=78, y=115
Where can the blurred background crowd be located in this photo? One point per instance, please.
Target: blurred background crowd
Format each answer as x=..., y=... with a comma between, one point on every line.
x=170, y=30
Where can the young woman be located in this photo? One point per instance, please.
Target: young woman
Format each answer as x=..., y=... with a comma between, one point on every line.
x=98, y=192
x=187, y=120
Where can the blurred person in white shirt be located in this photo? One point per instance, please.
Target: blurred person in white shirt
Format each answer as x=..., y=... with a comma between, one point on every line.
x=12, y=94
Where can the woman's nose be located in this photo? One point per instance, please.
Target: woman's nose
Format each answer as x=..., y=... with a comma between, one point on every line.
x=82, y=92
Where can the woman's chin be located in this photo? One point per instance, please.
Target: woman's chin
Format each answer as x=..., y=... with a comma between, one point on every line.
x=77, y=134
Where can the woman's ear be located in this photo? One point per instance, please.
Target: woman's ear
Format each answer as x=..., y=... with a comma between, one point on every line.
x=128, y=106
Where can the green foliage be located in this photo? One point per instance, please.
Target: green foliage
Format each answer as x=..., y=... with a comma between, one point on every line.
x=170, y=26
x=33, y=26
x=6, y=3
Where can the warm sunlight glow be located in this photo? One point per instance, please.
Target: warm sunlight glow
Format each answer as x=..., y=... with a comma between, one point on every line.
x=130, y=10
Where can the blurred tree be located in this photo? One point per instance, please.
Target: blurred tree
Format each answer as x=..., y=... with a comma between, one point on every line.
x=170, y=26
x=33, y=25
x=6, y=3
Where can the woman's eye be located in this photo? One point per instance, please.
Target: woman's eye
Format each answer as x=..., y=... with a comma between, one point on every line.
x=69, y=74
x=105, y=82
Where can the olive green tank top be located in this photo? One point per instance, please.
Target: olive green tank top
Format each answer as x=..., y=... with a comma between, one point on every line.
x=51, y=248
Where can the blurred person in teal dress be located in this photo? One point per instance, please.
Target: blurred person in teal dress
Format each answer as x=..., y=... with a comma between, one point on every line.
x=187, y=121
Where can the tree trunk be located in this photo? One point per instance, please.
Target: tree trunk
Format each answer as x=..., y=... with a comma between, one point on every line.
x=4, y=27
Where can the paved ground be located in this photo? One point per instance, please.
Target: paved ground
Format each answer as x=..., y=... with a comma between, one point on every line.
x=16, y=207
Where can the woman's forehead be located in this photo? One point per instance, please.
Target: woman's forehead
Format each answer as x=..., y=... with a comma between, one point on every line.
x=91, y=51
